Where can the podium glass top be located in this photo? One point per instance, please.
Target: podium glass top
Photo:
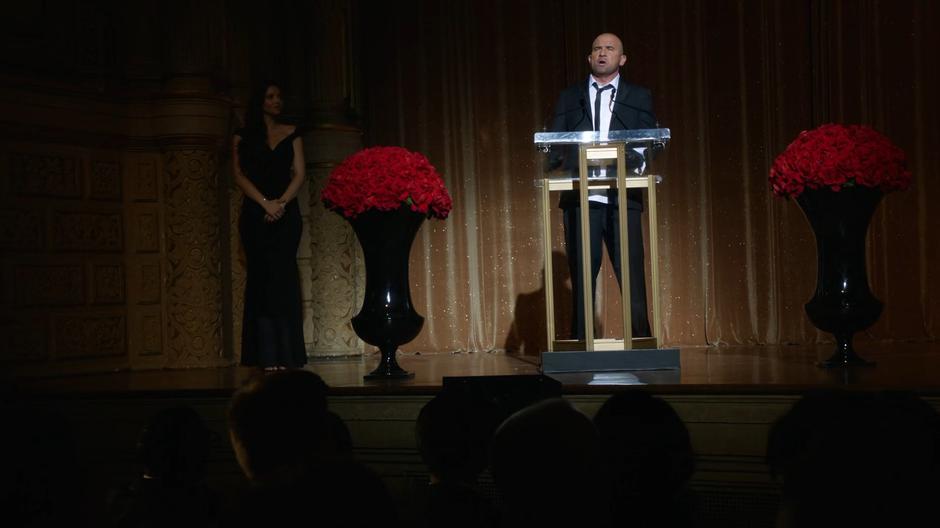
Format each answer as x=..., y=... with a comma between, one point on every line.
x=639, y=135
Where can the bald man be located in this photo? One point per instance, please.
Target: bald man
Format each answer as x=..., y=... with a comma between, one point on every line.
x=619, y=106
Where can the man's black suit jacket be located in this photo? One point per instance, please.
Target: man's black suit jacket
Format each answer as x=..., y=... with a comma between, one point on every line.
x=633, y=108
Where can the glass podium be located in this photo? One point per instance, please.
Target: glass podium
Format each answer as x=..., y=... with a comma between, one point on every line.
x=596, y=163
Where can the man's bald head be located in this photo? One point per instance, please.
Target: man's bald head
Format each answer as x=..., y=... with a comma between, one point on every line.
x=606, y=57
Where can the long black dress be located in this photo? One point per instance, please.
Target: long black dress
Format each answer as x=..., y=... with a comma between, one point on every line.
x=272, y=328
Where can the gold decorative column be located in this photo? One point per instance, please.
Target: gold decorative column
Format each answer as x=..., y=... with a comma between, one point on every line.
x=336, y=276
x=192, y=226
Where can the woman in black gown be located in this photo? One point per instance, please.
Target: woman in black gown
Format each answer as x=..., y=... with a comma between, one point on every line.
x=269, y=169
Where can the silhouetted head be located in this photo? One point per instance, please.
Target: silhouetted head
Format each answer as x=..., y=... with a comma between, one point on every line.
x=646, y=442
x=278, y=423
x=546, y=464
x=856, y=459
x=453, y=434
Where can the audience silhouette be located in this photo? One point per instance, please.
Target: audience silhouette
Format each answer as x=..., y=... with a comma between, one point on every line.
x=42, y=483
x=546, y=462
x=453, y=433
x=842, y=458
x=278, y=424
x=298, y=456
x=860, y=459
x=649, y=456
x=172, y=490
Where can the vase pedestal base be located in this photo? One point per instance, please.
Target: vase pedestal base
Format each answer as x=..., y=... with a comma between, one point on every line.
x=388, y=368
x=845, y=355
x=379, y=374
x=836, y=362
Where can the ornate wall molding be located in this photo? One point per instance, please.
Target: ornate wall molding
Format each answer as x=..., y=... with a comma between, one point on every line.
x=145, y=222
x=191, y=129
x=49, y=284
x=108, y=283
x=336, y=275
x=146, y=182
x=238, y=273
x=89, y=335
x=105, y=180
x=87, y=231
x=22, y=229
x=150, y=329
x=63, y=240
x=145, y=259
x=150, y=283
x=43, y=174
x=194, y=270
x=109, y=224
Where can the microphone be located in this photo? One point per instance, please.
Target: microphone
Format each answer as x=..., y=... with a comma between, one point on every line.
x=643, y=111
x=654, y=148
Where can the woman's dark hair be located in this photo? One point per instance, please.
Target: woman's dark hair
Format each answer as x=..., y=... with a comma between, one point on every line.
x=254, y=134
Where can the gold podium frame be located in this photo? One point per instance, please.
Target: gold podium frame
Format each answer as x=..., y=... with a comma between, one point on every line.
x=591, y=154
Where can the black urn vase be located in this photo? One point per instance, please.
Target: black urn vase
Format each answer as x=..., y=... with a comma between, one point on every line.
x=387, y=319
x=843, y=303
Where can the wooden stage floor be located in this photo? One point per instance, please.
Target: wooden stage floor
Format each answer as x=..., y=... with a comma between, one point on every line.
x=706, y=370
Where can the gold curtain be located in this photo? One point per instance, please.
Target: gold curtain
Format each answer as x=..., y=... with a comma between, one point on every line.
x=468, y=82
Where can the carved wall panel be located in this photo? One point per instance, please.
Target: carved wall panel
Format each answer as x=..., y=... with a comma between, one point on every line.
x=306, y=273
x=88, y=335
x=87, y=231
x=309, y=328
x=237, y=256
x=305, y=267
x=146, y=181
x=50, y=175
x=64, y=249
x=23, y=339
x=146, y=232
x=108, y=283
x=22, y=229
x=149, y=285
x=335, y=277
x=194, y=293
x=144, y=260
x=150, y=330
x=105, y=180
x=109, y=189
x=38, y=284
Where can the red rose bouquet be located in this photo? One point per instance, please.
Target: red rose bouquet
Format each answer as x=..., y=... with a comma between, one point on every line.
x=385, y=178
x=838, y=156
